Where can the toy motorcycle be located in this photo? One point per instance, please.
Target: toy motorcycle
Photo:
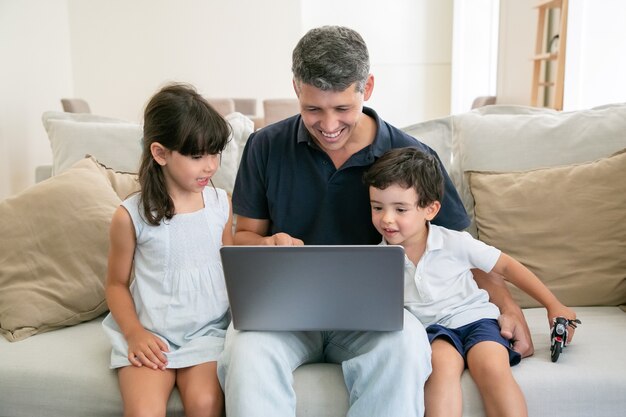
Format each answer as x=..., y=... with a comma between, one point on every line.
x=559, y=335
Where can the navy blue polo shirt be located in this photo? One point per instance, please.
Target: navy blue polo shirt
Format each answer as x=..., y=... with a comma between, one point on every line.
x=286, y=178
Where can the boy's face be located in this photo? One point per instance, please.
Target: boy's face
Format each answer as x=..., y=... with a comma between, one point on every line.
x=397, y=217
x=332, y=117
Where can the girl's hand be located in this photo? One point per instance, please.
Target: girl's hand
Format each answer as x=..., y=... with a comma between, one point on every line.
x=146, y=349
x=562, y=311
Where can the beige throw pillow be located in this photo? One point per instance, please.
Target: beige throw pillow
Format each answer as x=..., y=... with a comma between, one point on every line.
x=124, y=183
x=567, y=224
x=53, y=251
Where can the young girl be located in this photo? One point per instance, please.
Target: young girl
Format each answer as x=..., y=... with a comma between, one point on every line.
x=406, y=189
x=167, y=326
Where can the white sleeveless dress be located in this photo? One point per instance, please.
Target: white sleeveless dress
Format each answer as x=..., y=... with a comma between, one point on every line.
x=178, y=285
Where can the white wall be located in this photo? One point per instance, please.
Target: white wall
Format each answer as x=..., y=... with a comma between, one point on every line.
x=595, y=71
x=518, y=21
x=595, y=55
x=35, y=72
x=410, y=44
x=474, y=52
x=123, y=51
x=116, y=53
x=120, y=57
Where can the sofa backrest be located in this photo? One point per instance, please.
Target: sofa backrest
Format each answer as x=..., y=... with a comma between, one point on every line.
x=547, y=188
x=117, y=143
x=508, y=138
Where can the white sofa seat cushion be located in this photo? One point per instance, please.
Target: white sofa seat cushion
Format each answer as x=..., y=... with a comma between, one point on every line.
x=320, y=386
x=68, y=371
x=589, y=379
x=63, y=373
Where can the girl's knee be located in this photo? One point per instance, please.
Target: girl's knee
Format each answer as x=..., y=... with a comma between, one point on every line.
x=144, y=409
x=205, y=405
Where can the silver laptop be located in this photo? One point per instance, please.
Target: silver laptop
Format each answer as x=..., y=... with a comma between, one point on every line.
x=315, y=287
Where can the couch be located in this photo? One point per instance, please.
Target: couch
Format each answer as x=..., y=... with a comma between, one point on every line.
x=544, y=186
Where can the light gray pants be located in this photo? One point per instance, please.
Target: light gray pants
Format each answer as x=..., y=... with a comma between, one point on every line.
x=384, y=372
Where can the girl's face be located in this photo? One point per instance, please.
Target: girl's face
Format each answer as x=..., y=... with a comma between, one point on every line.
x=397, y=217
x=188, y=173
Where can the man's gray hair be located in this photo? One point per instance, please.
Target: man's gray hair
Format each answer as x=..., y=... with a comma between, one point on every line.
x=331, y=58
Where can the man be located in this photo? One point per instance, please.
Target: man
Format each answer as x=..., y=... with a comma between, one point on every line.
x=300, y=181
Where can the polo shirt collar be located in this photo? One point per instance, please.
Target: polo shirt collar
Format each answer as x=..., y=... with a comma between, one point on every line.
x=434, y=241
x=303, y=134
x=382, y=140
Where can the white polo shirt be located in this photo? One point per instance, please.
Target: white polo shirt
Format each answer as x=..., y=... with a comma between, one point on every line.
x=441, y=288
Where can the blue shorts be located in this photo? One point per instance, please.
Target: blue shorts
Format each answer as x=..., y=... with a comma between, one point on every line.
x=467, y=336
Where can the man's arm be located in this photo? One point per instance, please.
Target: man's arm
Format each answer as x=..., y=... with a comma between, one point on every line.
x=512, y=322
x=254, y=232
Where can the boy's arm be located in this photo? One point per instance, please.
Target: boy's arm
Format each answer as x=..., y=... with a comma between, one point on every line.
x=524, y=279
x=512, y=322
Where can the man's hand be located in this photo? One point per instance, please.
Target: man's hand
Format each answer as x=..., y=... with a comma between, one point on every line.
x=282, y=239
x=512, y=322
x=254, y=232
x=511, y=328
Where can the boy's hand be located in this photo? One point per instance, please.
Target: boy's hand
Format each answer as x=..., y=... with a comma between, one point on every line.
x=562, y=311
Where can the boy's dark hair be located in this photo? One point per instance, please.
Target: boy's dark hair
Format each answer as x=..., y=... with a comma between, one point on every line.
x=181, y=120
x=331, y=58
x=408, y=168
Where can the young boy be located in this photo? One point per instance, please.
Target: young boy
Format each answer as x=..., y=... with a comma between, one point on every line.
x=406, y=187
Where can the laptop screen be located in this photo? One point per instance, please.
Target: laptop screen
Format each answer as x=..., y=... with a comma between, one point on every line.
x=315, y=287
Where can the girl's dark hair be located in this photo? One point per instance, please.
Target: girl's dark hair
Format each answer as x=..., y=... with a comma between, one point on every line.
x=181, y=120
x=409, y=168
